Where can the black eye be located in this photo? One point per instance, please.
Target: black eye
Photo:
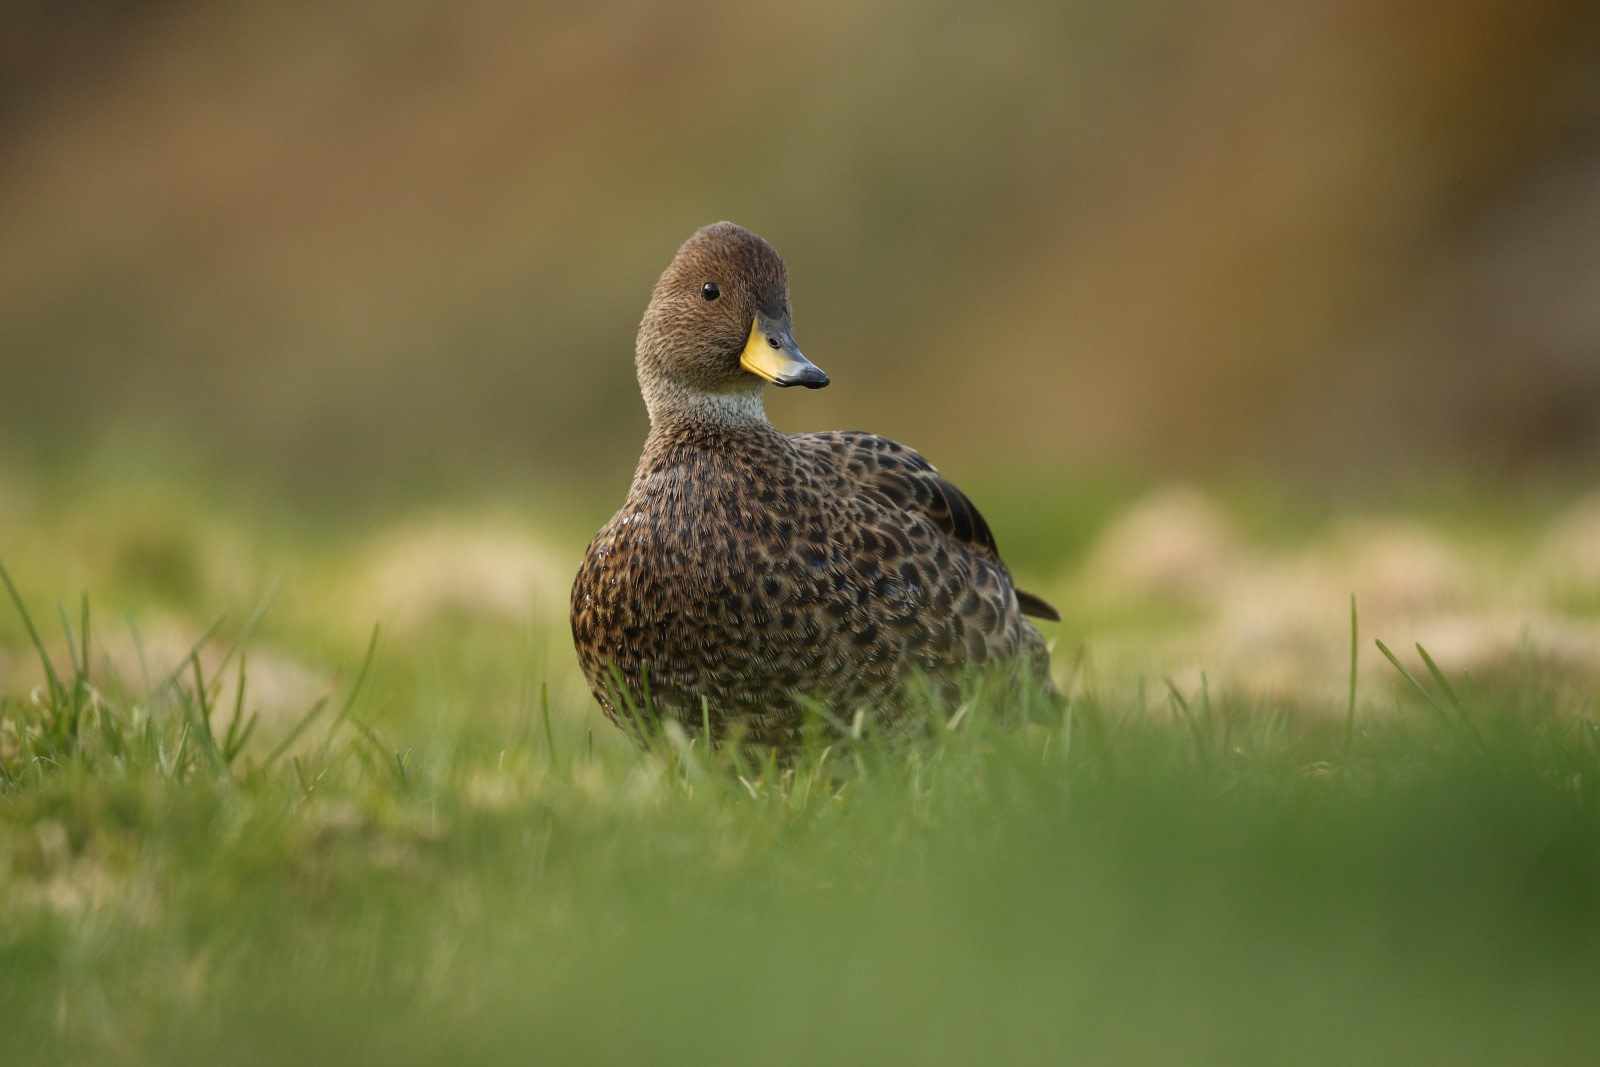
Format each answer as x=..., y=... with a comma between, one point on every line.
x=710, y=291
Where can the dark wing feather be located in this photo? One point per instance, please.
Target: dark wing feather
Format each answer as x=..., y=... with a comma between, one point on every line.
x=956, y=515
x=880, y=465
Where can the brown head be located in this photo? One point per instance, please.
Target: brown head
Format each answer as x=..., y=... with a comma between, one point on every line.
x=717, y=329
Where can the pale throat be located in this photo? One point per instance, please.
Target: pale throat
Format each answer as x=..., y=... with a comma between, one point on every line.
x=675, y=404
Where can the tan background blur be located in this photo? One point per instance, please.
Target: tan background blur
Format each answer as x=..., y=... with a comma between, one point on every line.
x=361, y=244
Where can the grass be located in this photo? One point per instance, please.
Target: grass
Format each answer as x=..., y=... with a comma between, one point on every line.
x=445, y=855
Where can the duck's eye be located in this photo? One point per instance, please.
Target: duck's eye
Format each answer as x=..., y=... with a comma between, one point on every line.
x=710, y=291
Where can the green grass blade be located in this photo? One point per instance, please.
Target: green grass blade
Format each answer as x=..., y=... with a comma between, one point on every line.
x=57, y=691
x=1442, y=711
x=194, y=649
x=1194, y=723
x=1462, y=715
x=360, y=680
x=1439, y=680
x=200, y=725
x=139, y=654
x=72, y=644
x=300, y=727
x=83, y=621
x=1355, y=659
x=544, y=714
x=242, y=725
x=251, y=624
x=322, y=702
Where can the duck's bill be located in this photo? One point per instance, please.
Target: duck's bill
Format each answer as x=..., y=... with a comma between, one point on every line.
x=770, y=353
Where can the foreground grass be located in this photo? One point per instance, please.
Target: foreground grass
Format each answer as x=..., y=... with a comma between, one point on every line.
x=437, y=852
x=1217, y=884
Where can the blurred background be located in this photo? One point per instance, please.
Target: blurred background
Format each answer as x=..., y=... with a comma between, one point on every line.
x=402, y=247
x=1259, y=329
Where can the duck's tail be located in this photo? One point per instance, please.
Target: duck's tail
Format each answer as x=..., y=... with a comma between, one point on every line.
x=1037, y=606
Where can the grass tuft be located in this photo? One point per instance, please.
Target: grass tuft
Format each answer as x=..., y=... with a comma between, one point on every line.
x=416, y=869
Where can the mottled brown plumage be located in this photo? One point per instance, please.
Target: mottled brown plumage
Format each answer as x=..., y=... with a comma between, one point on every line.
x=748, y=567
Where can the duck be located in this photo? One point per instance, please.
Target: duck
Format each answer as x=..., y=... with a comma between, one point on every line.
x=755, y=581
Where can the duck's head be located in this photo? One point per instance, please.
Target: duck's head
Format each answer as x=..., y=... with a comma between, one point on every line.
x=717, y=329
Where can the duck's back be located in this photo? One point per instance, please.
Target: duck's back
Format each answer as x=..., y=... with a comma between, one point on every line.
x=751, y=569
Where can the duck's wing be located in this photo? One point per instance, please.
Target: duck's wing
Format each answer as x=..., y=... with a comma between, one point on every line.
x=902, y=478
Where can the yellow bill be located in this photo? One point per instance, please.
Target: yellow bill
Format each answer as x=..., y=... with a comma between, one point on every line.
x=770, y=353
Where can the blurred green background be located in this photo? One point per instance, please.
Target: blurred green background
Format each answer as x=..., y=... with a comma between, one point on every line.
x=1234, y=318
x=380, y=248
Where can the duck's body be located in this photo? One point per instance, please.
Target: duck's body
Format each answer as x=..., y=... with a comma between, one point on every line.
x=747, y=567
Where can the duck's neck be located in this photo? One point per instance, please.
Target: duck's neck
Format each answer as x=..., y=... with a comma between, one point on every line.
x=675, y=411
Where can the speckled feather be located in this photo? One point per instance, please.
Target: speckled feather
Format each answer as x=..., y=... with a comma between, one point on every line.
x=748, y=566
